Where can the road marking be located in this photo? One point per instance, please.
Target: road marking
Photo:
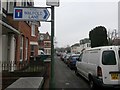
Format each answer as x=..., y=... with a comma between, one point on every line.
x=67, y=83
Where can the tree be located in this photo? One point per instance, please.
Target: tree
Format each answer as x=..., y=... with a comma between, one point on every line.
x=112, y=35
x=98, y=36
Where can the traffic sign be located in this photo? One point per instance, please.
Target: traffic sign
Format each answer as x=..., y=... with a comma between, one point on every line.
x=31, y=13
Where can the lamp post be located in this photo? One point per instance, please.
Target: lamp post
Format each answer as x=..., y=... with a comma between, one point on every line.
x=52, y=3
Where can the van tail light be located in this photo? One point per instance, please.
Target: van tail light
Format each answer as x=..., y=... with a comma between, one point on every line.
x=99, y=71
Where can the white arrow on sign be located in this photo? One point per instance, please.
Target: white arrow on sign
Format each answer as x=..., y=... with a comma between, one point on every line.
x=31, y=14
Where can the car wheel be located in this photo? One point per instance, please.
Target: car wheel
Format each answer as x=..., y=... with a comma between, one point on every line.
x=68, y=65
x=92, y=84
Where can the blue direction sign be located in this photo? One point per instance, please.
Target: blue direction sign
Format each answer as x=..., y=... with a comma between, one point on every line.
x=31, y=14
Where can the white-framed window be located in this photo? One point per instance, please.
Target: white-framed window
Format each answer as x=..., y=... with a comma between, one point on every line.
x=10, y=6
x=18, y=3
x=26, y=49
x=21, y=2
x=32, y=30
x=3, y=5
x=49, y=51
x=48, y=37
x=21, y=48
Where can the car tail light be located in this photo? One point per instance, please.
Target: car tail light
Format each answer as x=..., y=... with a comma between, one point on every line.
x=99, y=71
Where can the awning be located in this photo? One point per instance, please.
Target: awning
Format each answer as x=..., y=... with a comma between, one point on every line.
x=8, y=28
x=33, y=43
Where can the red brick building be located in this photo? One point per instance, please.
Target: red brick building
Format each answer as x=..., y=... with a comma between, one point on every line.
x=18, y=37
x=45, y=42
x=34, y=39
x=22, y=41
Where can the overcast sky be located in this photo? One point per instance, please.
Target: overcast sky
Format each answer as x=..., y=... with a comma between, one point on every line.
x=75, y=18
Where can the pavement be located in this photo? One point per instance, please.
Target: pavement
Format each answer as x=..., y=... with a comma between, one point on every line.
x=24, y=83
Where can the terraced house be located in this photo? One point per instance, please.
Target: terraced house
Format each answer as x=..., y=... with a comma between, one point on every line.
x=19, y=38
x=45, y=42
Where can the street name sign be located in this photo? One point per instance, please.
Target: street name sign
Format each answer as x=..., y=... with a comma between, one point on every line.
x=31, y=13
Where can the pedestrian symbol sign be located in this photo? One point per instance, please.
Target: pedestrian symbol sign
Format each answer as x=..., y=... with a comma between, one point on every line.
x=18, y=13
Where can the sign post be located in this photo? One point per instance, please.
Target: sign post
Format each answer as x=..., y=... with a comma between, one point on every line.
x=52, y=3
x=31, y=13
x=52, y=48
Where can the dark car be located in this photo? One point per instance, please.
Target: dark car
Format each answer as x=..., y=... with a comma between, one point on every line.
x=72, y=61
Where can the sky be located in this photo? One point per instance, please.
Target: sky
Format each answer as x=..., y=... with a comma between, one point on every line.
x=75, y=18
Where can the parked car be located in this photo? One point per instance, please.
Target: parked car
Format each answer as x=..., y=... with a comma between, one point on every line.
x=58, y=53
x=71, y=62
x=66, y=58
x=62, y=56
x=41, y=52
x=100, y=66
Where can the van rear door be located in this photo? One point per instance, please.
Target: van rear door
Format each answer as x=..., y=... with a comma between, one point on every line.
x=110, y=71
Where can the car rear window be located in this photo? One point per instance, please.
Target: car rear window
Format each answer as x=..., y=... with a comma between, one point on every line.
x=75, y=57
x=108, y=58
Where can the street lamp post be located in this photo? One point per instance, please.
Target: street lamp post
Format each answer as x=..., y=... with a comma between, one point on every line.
x=52, y=3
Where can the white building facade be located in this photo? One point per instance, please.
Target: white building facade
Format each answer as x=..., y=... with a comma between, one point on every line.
x=75, y=48
x=84, y=44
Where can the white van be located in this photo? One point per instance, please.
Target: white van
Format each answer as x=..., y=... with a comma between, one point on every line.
x=41, y=52
x=100, y=66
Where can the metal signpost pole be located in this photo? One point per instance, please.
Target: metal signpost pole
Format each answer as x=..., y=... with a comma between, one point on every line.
x=52, y=48
x=52, y=3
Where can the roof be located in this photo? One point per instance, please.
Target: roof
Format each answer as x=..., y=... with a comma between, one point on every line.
x=77, y=44
x=46, y=36
x=103, y=47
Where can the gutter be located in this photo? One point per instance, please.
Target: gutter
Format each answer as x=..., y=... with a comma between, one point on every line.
x=10, y=27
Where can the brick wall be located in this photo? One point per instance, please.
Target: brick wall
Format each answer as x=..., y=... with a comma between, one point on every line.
x=35, y=39
x=26, y=33
x=24, y=29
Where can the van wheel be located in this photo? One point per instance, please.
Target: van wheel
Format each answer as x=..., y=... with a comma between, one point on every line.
x=92, y=84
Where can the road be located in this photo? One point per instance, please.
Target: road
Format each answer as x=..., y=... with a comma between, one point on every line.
x=66, y=78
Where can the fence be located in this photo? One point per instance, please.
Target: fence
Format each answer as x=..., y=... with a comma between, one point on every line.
x=11, y=71
x=35, y=63
x=13, y=66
